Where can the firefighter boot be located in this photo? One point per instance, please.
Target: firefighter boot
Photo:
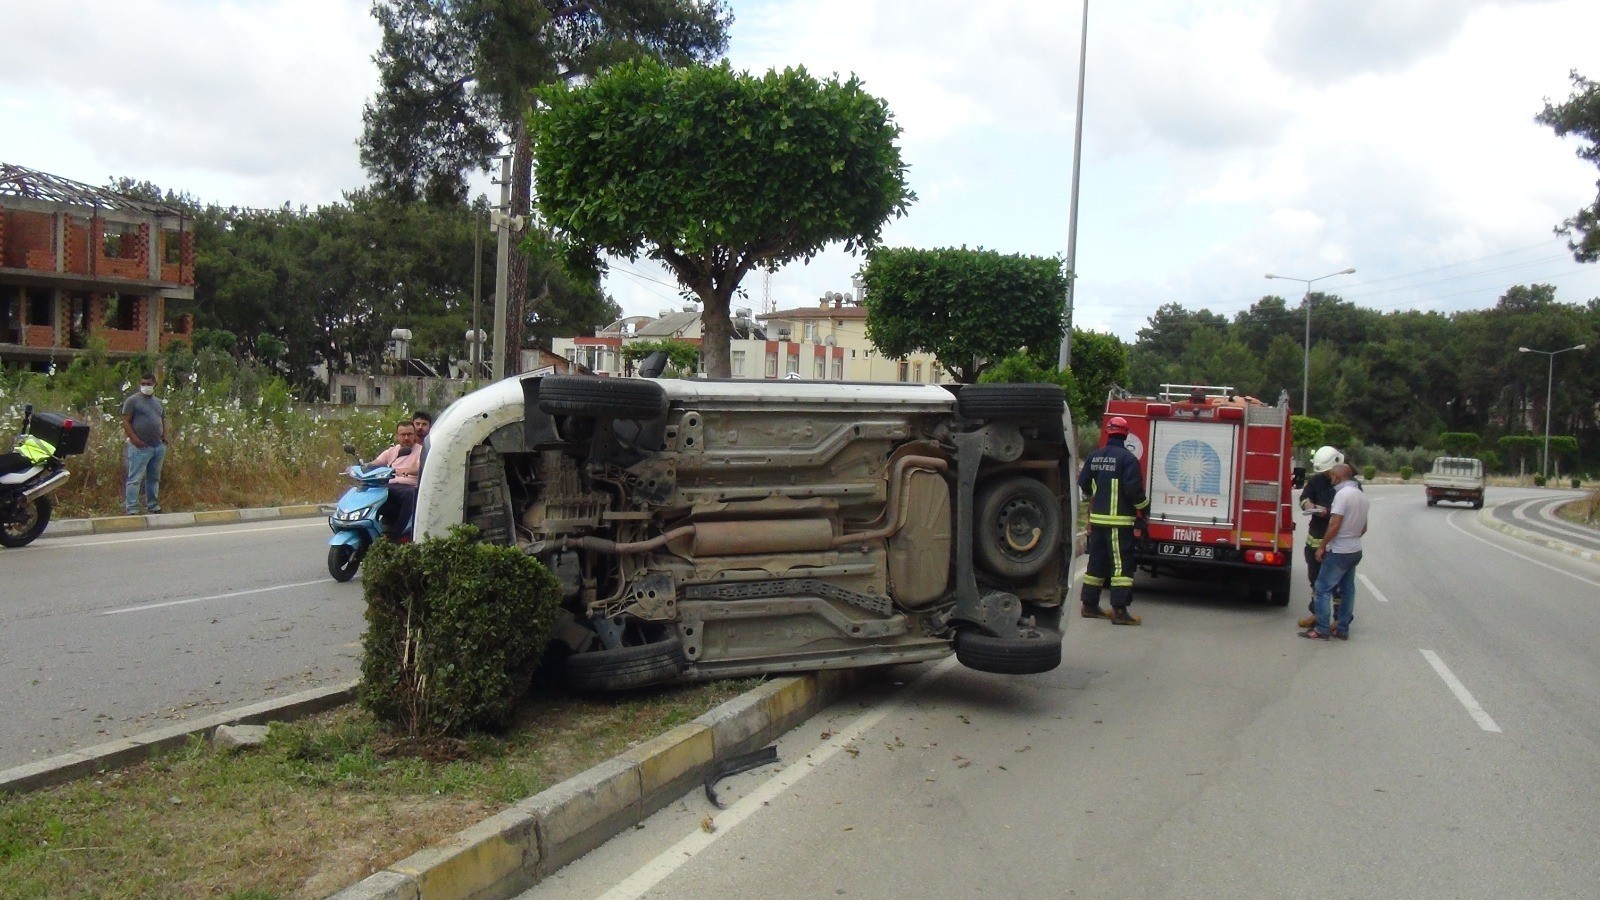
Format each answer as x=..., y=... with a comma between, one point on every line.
x=1120, y=598
x=1091, y=603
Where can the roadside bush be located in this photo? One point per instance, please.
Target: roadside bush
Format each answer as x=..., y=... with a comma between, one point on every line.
x=1369, y=472
x=1576, y=482
x=1538, y=481
x=454, y=632
x=1406, y=473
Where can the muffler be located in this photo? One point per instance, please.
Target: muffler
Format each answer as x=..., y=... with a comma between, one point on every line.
x=45, y=486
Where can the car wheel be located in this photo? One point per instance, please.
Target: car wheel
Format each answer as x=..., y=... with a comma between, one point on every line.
x=1026, y=402
x=1018, y=527
x=1432, y=502
x=626, y=667
x=1278, y=591
x=1039, y=650
x=603, y=398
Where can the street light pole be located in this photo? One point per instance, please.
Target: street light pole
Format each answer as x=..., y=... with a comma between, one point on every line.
x=1549, y=392
x=1305, y=378
x=1064, y=357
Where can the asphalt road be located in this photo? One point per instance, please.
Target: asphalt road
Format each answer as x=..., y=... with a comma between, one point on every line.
x=110, y=635
x=1450, y=749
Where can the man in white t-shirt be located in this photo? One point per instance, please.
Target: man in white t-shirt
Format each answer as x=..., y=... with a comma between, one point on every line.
x=1339, y=554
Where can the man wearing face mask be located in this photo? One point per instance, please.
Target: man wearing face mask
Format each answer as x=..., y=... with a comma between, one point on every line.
x=144, y=421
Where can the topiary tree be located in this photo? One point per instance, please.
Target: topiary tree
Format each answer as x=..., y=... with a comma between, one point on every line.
x=1338, y=434
x=1459, y=443
x=1307, y=432
x=1521, y=447
x=716, y=173
x=683, y=357
x=454, y=630
x=969, y=308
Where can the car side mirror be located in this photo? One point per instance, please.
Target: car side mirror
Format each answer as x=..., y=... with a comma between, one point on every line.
x=1299, y=476
x=653, y=365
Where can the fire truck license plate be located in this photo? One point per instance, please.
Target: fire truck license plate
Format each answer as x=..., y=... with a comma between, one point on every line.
x=1190, y=551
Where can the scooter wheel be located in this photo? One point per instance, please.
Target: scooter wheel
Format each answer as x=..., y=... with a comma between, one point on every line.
x=343, y=561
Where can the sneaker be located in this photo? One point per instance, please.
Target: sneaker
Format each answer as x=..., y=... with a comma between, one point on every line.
x=1123, y=617
x=1307, y=622
x=1093, y=612
x=155, y=510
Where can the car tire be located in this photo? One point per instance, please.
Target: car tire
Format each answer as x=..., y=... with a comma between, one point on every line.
x=602, y=398
x=1007, y=508
x=1040, y=651
x=1024, y=402
x=1278, y=590
x=626, y=667
x=1432, y=502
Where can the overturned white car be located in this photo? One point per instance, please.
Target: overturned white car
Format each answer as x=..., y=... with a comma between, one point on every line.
x=704, y=529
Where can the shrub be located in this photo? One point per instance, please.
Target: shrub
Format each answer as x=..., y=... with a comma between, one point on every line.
x=454, y=631
x=1538, y=481
x=1405, y=473
x=1369, y=472
x=1576, y=482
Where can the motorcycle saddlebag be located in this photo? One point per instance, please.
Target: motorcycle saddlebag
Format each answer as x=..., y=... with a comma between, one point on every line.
x=70, y=438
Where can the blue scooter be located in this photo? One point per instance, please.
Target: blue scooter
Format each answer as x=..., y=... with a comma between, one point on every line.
x=354, y=520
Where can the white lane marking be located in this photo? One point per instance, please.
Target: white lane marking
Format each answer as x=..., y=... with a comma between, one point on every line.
x=1548, y=518
x=228, y=596
x=670, y=860
x=189, y=532
x=1461, y=692
x=1369, y=587
x=1452, y=521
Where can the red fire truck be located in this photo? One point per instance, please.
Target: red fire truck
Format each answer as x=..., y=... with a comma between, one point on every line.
x=1219, y=473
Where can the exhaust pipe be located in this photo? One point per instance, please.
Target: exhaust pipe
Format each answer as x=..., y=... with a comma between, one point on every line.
x=46, y=486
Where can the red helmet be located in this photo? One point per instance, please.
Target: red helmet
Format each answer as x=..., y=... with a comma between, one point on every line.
x=1116, y=425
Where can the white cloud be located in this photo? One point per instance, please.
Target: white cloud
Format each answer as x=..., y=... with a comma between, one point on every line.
x=1222, y=140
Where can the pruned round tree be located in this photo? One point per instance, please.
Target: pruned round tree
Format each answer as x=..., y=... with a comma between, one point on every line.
x=969, y=308
x=715, y=173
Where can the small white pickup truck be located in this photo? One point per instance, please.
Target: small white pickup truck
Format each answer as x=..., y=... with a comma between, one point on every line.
x=1455, y=478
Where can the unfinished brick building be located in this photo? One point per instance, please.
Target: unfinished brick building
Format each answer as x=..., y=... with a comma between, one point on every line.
x=80, y=262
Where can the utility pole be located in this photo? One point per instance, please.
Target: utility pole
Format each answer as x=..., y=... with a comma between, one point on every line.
x=477, y=291
x=1064, y=359
x=502, y=268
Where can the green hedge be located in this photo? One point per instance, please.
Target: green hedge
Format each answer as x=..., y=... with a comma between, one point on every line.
x=454, y=632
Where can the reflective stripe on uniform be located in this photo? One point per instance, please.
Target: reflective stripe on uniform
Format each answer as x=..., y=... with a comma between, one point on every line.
x=1122, y=581
x=1106, y=519
x=1094, y=581
x=1313, y=542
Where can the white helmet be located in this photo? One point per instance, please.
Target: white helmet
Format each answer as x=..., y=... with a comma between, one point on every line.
x=1325, y=458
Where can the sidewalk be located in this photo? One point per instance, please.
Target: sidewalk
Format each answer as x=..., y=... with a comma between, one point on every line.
x=117, y=524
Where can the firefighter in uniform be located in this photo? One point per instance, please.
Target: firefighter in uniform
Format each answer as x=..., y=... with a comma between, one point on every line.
x=1115, y=487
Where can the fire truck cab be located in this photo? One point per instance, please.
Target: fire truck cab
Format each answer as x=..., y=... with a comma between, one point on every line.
x=1218, y=471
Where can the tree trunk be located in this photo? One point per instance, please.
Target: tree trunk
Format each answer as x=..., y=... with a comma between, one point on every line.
x=716, y=331
x=517, y=276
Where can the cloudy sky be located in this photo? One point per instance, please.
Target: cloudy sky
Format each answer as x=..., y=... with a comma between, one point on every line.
x=1222, y=140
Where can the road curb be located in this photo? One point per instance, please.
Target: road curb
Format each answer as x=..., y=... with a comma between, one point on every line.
x=1486, y=517
x=138, y=748
x=119, y=524
x=514, y=849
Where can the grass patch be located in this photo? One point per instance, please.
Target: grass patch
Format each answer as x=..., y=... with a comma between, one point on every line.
x=324, y=804
x=1582, y=512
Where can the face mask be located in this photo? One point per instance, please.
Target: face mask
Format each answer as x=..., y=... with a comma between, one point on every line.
x=147, y=389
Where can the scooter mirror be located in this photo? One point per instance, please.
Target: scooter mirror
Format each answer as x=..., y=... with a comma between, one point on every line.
x=350, y=449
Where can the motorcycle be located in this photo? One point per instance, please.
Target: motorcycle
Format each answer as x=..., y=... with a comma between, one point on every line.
x=354, y=519
x=34, y=468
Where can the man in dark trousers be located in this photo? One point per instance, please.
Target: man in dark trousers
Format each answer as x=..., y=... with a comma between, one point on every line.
x=1115, y=487
x=1315, y=498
